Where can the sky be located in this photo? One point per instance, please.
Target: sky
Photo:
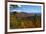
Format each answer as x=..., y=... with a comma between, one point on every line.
x=27, y=9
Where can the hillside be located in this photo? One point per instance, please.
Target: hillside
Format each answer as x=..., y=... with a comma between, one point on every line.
x=25, y=20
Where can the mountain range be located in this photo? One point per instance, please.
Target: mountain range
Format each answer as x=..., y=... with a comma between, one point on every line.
x=24, y=14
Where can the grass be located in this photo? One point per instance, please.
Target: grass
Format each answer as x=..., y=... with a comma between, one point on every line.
x=16, y=23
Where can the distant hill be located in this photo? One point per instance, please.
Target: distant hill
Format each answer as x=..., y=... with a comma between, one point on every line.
x=24, y=14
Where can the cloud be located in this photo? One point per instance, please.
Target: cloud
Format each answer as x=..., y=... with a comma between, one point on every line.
x=17, y=10
x=19, y=5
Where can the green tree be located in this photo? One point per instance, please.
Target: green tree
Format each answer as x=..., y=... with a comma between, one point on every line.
x=35, y=19
x=14, y=6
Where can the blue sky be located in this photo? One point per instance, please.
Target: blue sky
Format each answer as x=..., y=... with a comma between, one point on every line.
x=27, y=8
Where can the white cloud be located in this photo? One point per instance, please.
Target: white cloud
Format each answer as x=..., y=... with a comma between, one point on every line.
x=16, y=10
x=19, y=5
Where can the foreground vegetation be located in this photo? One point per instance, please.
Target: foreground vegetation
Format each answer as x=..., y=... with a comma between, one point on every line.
x=25, y=22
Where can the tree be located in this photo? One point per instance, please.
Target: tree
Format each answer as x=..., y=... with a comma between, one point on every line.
x=35, y=19
x=14, y=6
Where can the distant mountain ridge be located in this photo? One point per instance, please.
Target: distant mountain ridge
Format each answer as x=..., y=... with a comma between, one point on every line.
x=23, y=14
